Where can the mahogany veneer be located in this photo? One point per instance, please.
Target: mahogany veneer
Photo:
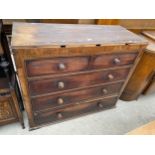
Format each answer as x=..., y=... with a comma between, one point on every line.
x=70, y=70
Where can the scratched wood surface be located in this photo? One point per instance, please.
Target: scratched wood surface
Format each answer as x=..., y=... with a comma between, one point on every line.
x=38, y=34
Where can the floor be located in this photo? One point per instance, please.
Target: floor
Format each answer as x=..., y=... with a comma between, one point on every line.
x=120, y=120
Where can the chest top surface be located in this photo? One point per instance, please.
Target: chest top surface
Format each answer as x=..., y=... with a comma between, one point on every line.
x=26, y=35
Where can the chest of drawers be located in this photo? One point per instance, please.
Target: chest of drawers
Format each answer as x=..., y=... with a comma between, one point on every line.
x=71, y=70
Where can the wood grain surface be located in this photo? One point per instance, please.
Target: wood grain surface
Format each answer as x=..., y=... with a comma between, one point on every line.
x=53, y=46
x=37, y=34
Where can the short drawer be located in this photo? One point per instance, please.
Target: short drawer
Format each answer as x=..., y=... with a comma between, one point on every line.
x=56, y=66
x=72, y=111
x=52, y=85
x=113, y=60
x=52, y=101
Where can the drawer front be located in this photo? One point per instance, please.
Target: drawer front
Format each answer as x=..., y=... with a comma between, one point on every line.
x=7, y=110
x=38, y=87
x=109, y=60
x=72, y=111
x=42, y=103
x=56, y=66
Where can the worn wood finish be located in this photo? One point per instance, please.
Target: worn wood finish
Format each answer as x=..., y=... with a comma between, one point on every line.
x=61, y=99
x=56, y=66
x=141, y=79
x=73, y=110
x=100, y=46
x=108, y=60
x=31, y=35
x=65, y=65
x=44, y=86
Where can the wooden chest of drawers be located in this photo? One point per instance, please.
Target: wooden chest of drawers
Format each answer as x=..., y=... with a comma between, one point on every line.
x=70, y=70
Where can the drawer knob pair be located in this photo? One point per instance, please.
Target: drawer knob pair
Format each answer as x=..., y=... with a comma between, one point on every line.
x=61, y=85
x=60, y=101
x=62, y=66
x=111, y=77
x=117, y=60
x=105, y=91
x=59, y=115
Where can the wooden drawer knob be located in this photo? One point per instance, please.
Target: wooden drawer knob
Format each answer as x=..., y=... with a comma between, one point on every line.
x=100, y=105
x=111, y=77
x=105, y=91
x=62, y=66
x=61, y=85
x=60, y=101
x=117, y=60
x=59, y=115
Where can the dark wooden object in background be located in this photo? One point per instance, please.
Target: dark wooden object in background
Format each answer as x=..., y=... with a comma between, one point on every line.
x=134, y=25
x=142, y=80
x=69, y=70
x=9, y=100
x=9, y=106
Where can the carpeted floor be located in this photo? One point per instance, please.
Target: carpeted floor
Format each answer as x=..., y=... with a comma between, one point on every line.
x=120, y=120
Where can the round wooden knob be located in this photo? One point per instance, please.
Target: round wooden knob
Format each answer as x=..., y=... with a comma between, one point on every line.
x=117, y=61
x=60, y=101
x=59, y=115
x=100, y=105
x=105, y=91
x=62, y=66
x=111, y=77
x=61, y=85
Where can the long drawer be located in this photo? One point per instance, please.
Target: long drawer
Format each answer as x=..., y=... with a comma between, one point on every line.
x=75, y=64
x=73, y=110
x=52, y=101
x=52, y=85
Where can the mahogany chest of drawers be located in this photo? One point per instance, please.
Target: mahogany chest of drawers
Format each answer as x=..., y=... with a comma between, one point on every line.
x=70, y=70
